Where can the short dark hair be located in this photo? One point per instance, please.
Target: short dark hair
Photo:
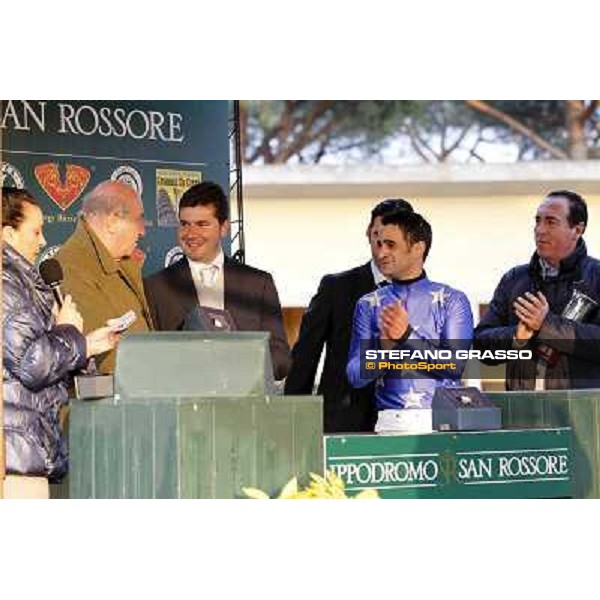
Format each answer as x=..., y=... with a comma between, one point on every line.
x=207, y=193
x=413, y=225
x=390, y=205
x=12, y=206
x=577, y=207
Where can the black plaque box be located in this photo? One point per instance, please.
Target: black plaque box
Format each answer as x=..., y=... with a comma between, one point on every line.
x=464, y=409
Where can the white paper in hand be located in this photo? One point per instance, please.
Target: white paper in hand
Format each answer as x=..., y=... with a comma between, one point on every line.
x=123, y=322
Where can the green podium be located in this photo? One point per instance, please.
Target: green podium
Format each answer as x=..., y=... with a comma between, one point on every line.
x=194, y=415
x=527, y=417
x=577, y=409
x=533, y=463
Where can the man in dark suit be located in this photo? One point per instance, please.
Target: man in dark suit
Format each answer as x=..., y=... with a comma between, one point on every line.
x=328, y=321
x=208, y=278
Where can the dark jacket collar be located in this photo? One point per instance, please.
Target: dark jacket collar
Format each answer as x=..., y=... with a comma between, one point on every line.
x=407, y=282
x=569, y=265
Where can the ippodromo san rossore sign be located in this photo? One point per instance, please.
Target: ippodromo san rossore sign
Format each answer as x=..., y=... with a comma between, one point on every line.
x=500, y=464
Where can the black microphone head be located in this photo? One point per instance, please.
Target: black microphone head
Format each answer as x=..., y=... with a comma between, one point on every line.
x=51, y=272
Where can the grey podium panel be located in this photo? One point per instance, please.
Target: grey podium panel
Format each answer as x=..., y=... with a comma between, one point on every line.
x=202, y=364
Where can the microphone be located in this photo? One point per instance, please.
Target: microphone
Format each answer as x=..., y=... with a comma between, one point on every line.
x=52, y=274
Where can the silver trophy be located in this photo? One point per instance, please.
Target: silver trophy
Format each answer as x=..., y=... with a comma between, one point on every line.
x=579, y=306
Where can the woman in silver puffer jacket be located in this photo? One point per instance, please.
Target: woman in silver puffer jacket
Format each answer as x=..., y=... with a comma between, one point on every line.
x=42, y=344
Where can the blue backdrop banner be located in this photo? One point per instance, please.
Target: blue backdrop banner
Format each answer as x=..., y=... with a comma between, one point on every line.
x=59, y=150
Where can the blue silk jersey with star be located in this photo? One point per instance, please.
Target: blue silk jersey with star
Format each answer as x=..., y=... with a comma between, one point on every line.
x=440, y=317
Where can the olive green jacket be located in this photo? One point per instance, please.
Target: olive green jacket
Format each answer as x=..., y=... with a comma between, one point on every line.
x=102, y=287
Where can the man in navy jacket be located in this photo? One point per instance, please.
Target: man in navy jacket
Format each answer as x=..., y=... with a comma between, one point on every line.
x=527, y=308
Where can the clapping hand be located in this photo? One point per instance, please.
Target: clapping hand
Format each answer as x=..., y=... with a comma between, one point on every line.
x=531, y=309
x=393, y=323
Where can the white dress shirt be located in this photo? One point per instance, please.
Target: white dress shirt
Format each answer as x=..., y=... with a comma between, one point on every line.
x=209, y=280
x=378, y=276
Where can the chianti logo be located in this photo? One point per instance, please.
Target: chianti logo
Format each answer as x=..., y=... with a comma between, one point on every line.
x=63, y=193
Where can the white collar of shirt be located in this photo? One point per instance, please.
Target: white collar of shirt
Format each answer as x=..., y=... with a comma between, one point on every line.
x=217, y=261
x=378, y=276
x=199, y=268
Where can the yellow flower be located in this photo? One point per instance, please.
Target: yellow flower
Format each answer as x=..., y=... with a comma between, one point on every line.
x=290, y=490
x=255, y=494
x=329, y=487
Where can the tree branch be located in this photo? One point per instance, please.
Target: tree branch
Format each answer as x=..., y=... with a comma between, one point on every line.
x=308, y=136
x=473, y=150
x=589, y=111
x=456, y=143
x=415, y=140
x=264, y=148
x=486, y=109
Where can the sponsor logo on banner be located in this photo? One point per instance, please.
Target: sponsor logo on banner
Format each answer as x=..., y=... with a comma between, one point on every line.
x=129, y=176
x=173, y=255
x=170, y=185
x=10, y=176
x=63, y=193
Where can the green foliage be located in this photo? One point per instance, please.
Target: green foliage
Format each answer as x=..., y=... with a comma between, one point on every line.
x=545, y=117
x=276, y=131
x=305, y=131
